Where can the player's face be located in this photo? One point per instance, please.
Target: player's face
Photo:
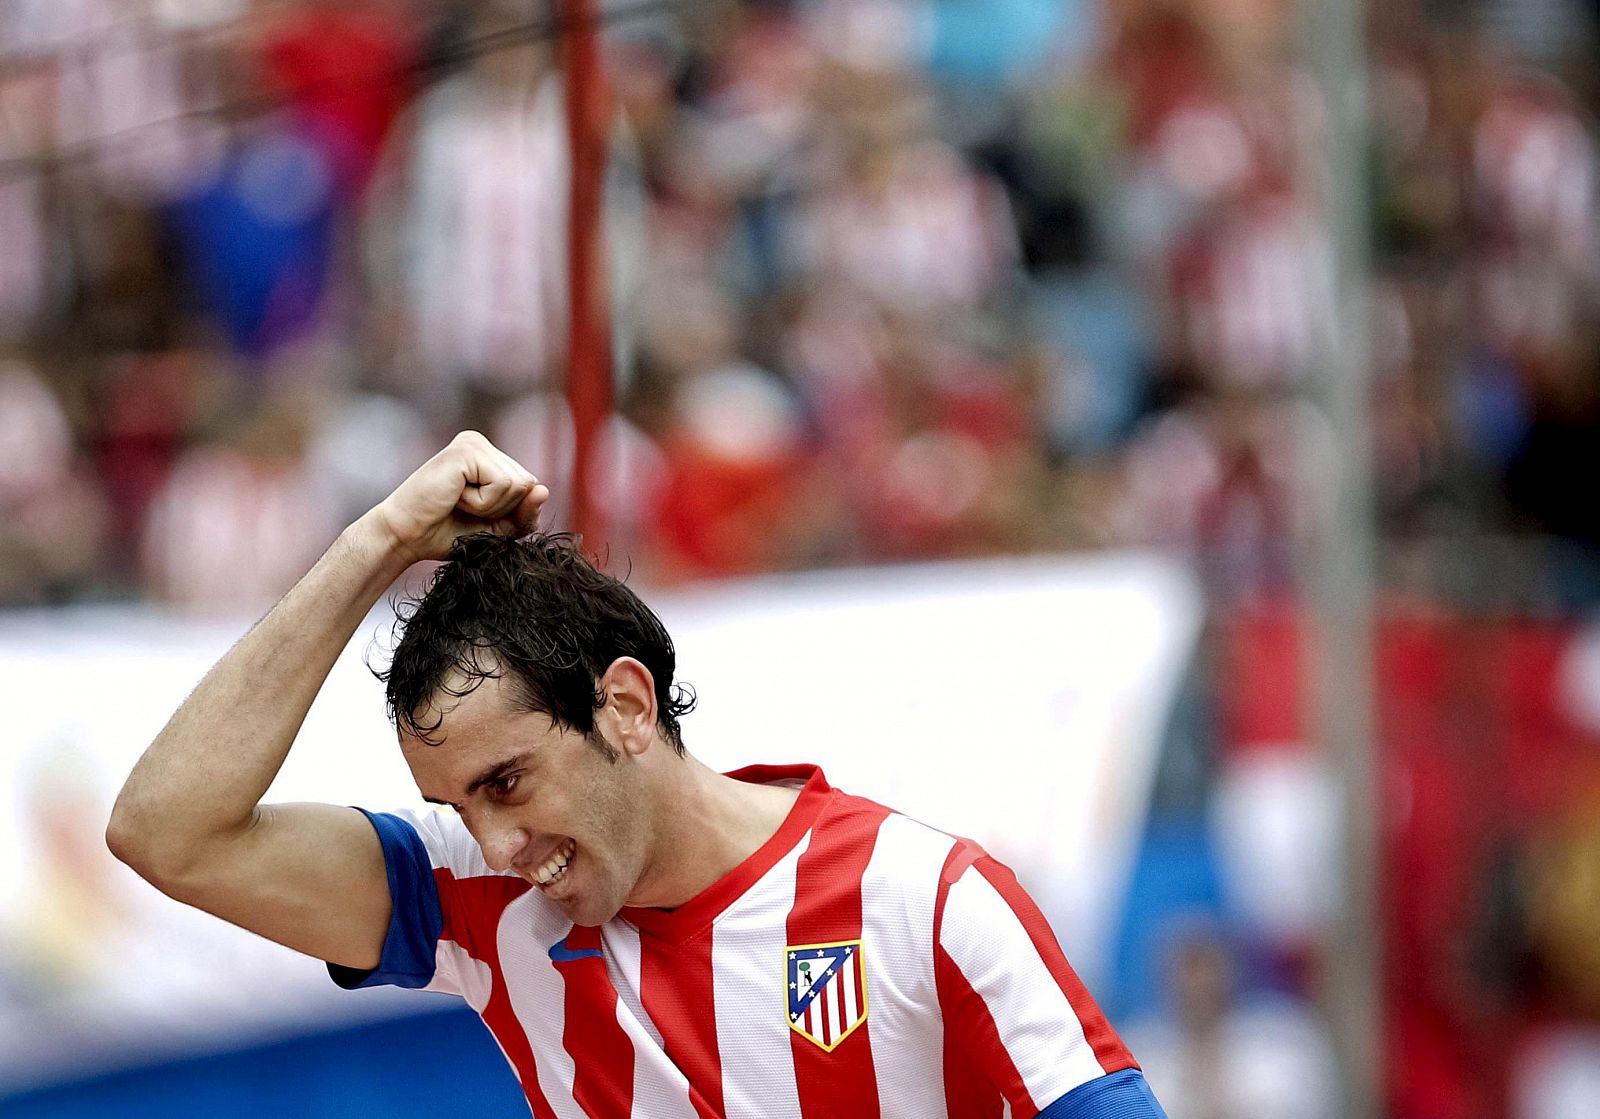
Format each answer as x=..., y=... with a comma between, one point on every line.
x=543, y=802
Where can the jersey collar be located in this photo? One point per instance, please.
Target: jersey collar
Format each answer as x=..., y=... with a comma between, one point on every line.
x=698, y=912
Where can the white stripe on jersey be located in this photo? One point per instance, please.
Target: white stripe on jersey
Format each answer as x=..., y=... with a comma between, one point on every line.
x=539, y=993
x=898, y=892
x=654, y=1091
x=624, y=963
x=1036, y=1023
x=752, y=1019
x=451, y=847
x=845, y=981
x=456, y=972
x=659, y=1086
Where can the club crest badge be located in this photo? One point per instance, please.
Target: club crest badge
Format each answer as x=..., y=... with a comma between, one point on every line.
x=827, y=991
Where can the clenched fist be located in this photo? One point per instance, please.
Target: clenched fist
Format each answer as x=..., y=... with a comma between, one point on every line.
x=470, y=486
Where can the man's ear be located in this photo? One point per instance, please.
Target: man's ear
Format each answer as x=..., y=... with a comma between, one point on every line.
x=628, y=713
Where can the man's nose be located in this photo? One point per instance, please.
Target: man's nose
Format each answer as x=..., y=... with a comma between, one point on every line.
x=502, y=842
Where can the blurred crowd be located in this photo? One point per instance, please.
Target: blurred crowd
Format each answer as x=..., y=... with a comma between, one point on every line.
x=891, y=279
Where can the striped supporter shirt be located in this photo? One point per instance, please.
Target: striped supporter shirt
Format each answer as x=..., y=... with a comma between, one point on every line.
x=859, y=964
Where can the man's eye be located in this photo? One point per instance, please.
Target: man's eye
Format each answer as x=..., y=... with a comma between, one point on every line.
x=503, y=786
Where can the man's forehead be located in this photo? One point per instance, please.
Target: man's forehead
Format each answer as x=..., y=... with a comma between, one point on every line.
x=466, y=733
x=471, y=739
x=462, y=702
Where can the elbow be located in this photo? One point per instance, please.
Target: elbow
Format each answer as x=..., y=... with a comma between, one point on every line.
x=176, y=858
x=156, y=854
x=127, y=841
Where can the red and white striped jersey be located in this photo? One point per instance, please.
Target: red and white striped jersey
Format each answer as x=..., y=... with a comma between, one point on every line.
x=858, y=964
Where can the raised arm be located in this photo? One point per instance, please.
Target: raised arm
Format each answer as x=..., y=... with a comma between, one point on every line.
x=188, y=819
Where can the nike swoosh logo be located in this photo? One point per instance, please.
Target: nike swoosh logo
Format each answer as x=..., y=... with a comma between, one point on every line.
x=561, y=954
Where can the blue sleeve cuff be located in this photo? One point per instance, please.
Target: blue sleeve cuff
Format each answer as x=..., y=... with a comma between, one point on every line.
x=1120, y=1095
x=415, y=920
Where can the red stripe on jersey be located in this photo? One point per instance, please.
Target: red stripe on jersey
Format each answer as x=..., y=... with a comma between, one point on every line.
x=676, y=989
x=827, y=908
x=979, y=1075
x=977, y=1068
x=1108, y=1048
x=477, y=903
x=602, y=1053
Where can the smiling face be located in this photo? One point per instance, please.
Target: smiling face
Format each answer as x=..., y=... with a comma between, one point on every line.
x=536, y=796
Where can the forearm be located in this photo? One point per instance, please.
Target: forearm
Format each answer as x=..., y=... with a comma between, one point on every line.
x=201, y=779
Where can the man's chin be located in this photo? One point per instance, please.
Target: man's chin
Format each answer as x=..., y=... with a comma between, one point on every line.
x=583, y=908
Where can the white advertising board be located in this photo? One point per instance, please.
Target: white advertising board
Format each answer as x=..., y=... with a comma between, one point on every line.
x=1016, y=702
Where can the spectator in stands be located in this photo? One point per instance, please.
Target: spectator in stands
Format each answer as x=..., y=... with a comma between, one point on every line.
x=348, y=67
x=237, y=516
x=467, y=235
x=52, y=514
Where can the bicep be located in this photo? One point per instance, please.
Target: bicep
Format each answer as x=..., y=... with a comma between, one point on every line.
x=309, y=876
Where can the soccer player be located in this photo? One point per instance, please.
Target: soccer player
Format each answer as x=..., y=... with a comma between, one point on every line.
x=644, y=936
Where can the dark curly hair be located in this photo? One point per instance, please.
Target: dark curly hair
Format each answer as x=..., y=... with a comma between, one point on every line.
x=538, y=614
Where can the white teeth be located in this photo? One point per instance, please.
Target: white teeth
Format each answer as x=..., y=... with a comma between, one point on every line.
x=557, y=865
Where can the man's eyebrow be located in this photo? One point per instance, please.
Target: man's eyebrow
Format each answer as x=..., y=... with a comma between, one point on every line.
x=493, y=773
x=496, y=771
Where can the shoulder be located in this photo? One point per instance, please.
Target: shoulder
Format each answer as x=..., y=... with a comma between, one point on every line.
x=896, y=848
x=899, y=850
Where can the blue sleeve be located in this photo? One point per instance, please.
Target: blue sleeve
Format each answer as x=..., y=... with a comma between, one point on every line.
x=415, y=920
x=1121, y=1095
